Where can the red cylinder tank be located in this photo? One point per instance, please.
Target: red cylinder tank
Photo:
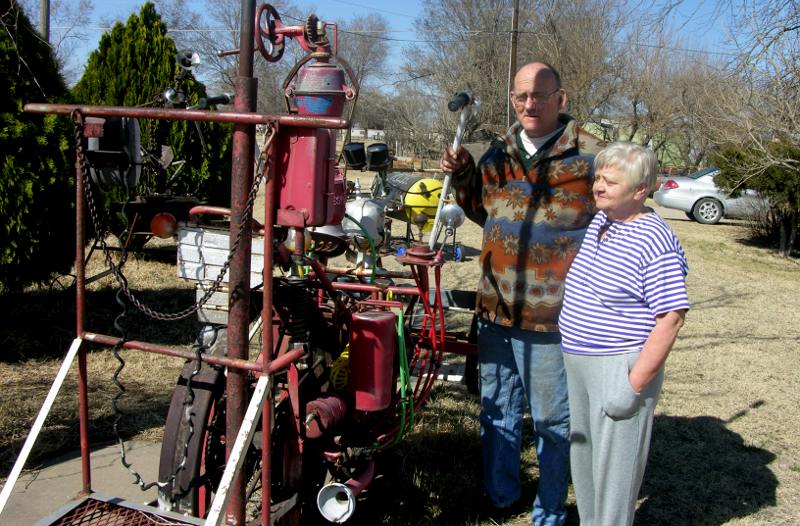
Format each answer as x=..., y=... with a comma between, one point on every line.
x=327, y=412
x=372, y=351
x=309, y=192
x=306, y=177
x=320, y=90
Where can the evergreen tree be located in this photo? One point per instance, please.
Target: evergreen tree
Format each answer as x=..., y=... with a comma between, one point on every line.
x=780, y=183
x=36, y=169
x=133, y=66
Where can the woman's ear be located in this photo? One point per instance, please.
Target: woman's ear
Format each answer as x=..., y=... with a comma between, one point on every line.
x=641, y=192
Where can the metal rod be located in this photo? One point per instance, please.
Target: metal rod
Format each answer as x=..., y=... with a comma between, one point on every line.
x=267, y=344
x=83, y=421
x=241, y=117
x=80, y=317
x=38, y=423
x=364, y=272
x=363, y=287
x=276, y=365
x=236, y=387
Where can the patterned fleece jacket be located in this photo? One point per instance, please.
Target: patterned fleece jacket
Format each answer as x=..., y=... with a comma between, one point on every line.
x=534, y=212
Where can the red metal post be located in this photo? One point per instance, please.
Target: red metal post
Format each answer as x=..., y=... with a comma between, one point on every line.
x=267, y=344
x=80, y=318
x=239, y=278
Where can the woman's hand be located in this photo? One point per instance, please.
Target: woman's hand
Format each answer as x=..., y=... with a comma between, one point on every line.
x=656, y=348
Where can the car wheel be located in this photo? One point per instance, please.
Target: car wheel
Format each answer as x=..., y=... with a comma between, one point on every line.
x=707, y=211
x=690, y=216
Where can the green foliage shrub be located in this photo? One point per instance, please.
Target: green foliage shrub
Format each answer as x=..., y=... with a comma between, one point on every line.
x=744, y=167
x=36, y=169
x=133, y=64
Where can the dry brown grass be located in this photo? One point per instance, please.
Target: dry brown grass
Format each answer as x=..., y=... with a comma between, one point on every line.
x=725, y=448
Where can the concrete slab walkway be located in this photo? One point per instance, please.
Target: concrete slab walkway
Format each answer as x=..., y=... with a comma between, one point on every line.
x=41, y=492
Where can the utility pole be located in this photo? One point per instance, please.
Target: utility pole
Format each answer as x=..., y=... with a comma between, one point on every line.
x=44, y=19
x=512, y=60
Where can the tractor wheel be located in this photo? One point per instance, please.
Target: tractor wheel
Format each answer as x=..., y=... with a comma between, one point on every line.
x=194, y=451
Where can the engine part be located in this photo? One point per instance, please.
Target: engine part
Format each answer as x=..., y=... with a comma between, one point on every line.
x=372, y=351
x=337, y=501
x=364, y=222
x=323, y=415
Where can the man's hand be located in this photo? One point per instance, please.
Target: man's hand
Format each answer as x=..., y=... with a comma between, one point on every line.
x=454, y=162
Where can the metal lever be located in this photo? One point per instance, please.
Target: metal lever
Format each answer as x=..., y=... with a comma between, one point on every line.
x=466, y=102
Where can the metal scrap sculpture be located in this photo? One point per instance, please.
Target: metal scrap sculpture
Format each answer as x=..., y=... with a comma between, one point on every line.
x=291, y=432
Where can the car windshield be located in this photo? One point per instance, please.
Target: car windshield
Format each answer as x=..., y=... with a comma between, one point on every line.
x=706, y=171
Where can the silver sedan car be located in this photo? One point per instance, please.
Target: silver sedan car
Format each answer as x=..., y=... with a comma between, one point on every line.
x=704, y=202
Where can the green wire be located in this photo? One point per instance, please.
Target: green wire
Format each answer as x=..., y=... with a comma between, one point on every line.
x=371, y=245
x=405, y=375
x=404, y=361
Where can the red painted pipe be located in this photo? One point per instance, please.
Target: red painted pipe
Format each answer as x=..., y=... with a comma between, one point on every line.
x=267, y=343
x=240, y=117
x=359, y=483
x=274, y=366
x=364, y=287
x=80, y=319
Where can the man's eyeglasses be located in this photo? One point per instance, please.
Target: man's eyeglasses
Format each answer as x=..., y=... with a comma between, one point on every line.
x=521, y=99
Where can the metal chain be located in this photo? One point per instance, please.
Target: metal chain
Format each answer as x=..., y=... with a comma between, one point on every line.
x=188, y=404
x=119, y=413
x=117, y=270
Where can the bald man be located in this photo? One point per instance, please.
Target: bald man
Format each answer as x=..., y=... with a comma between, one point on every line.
x=532, y=193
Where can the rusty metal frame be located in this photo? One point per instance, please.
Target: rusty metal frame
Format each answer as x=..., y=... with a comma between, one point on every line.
x=238, y=320
x=244, y=119
x=240, y=369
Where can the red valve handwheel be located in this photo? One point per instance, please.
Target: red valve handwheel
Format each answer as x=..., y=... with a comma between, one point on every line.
x=274, y=50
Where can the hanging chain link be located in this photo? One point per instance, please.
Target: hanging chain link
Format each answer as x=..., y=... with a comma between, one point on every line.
x=188, y=403
x=100, y=232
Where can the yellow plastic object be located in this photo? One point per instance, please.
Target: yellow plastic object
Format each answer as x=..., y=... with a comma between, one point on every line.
x=339, y=370
x=422, y=198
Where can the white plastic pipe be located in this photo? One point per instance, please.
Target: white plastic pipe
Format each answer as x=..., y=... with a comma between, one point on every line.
x=38, y=423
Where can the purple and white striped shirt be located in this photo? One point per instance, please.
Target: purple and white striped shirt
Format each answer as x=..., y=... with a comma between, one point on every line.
x=617, y=286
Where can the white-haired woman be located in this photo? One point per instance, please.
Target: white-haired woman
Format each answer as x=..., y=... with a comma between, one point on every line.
x=624, y=303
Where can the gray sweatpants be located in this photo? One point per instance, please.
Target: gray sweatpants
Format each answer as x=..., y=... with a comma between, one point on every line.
x=610, y=427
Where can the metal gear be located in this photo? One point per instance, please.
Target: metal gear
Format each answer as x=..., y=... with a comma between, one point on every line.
x=312, y=33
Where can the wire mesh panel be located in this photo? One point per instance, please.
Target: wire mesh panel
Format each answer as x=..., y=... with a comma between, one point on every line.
x=113, y=512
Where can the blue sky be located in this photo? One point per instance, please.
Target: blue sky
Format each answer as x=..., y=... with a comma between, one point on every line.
x=400, y=15
x=694, y=18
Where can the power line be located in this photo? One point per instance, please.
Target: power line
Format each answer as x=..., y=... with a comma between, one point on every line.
x=377, y=36
x=374, y=8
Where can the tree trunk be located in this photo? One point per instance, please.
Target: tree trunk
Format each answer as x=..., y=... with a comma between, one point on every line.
x=792, y=233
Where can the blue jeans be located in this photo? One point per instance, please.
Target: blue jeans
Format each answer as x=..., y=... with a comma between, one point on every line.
x=516, y=365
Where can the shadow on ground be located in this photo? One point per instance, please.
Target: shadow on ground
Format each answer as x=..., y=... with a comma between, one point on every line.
x=41, y=324
x=701, y=473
